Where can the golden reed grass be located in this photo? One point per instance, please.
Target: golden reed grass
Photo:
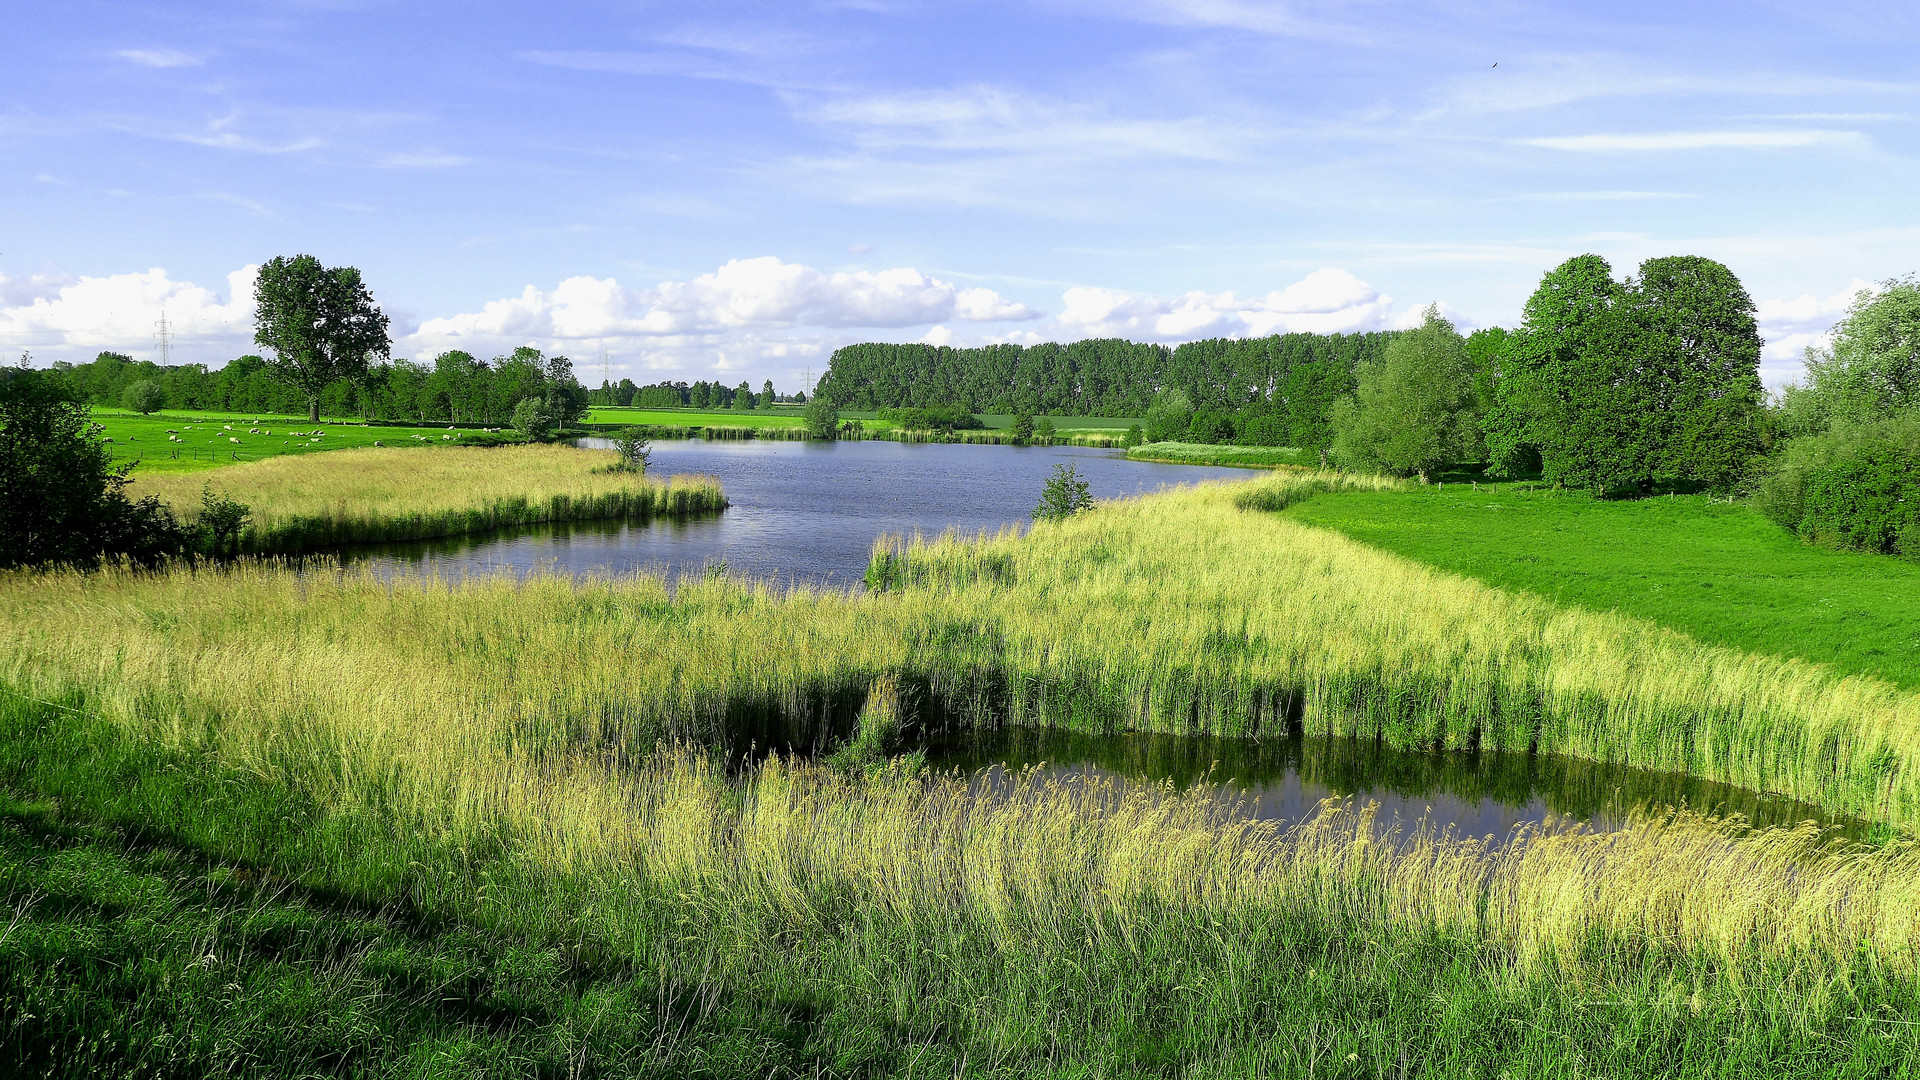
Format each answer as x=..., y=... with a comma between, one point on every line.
x=464, y=712
x=305, y=501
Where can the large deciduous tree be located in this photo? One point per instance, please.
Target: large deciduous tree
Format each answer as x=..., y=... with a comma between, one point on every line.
x=1556, y=325
x=320, y=323
x=1623, y=387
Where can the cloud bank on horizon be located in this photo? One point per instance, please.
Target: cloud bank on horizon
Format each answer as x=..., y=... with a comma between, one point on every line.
x=755, y=315
x=594, y=178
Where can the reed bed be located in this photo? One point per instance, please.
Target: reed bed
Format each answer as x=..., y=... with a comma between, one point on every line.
x=548, y=754
x=390, y=494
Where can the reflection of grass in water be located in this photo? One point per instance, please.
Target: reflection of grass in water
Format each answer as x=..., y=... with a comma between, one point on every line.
x=1569, y=788
x=486, y=753
x=362, y=496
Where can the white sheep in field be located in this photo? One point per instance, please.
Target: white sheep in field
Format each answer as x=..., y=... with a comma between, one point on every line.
x=446, y=436
x=232, y=439
x=376, y=442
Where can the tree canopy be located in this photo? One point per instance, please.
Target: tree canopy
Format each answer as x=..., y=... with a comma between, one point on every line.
x=320, y=323
x=1415, y=410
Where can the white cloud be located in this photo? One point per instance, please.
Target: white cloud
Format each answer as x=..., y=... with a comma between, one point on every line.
x=1789, y=327
x=70, y=320
x=159, y=58
x=1692, y=140
x=1326, y=301
x=763, y=293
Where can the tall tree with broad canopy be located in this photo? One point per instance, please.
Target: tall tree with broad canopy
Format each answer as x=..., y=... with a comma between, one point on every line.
x=320, y=323
x=1416, y=409
x=1662, y=388
x=1559, y=318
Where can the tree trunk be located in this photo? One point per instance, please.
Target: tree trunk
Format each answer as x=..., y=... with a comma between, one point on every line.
x=313, y=408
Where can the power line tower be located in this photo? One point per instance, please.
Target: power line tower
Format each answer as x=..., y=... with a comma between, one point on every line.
x=166, y=340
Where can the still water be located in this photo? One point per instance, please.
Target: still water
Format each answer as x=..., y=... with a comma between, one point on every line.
x=1474, y=794
x=802, y=511
x=809, y=512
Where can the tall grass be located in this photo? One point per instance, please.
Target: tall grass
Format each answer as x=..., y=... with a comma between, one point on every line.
x=1249, y=457
x=355, y=496
x=531, y=754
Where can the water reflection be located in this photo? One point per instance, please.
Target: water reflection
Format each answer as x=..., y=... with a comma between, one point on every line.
x=1476, y=794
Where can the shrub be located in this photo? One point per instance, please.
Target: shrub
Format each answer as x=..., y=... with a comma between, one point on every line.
x=1210, y=427
x=1044, y=429
x=530, y=418
x=1022, y=427
x=823, y=418
x=1856, y=486
x=143, y=397
x=62, y=501
x=933, y=418
x=1064, y=495
x=636, y=453
x=1169, y=417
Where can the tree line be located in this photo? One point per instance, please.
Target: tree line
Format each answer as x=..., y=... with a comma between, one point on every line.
x=698, y=395
x=1613, y=387
x=1273, y=391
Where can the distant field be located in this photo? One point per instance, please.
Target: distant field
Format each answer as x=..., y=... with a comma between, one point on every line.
x=790, y=416
x=1718, y=571
x=783, y=416
x=1245, y=457
x=209, y=440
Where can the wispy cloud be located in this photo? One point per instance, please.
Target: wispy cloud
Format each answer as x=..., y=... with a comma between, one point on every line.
x=1692, y=140
x=1592, y=196
x=159, y=58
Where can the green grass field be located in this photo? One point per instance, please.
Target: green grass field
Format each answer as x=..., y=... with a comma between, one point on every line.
x=1242, y=457
x=1718, y=571
x=208, y=438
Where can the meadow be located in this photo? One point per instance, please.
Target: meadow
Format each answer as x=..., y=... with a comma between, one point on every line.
x=209, y=440
x=1716, y=570
x=299, y=503
x=563, y=770
x=1246, y=457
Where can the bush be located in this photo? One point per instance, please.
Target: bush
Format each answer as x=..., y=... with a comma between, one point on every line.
x=636, y=453
x=1022, y=427
x=1064, y=495
x=1210, y=427
x=823, y=418
x=1044, y=429
x=1856, y=486
x=143, y=397
x=933, y=418
x=62, y=501
x=531, y=418
x=1169, y=417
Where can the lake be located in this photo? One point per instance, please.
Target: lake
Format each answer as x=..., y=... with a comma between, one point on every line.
x=805, y=512
x=808, y=512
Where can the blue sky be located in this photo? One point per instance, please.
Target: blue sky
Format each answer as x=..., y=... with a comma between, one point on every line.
x=732, y=190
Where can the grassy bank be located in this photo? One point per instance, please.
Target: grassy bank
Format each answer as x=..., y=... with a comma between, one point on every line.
x=1717, y=571
x=796, y=921
x=526, y=758
x=386, y=494
x=1246, y=457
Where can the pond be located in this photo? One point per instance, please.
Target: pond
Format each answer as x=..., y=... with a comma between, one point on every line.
x=1478, y=794
x=809, y=513
x=805, y=512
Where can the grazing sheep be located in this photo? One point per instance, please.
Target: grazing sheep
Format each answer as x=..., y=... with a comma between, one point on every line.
x=376, y=442
x=232, y=439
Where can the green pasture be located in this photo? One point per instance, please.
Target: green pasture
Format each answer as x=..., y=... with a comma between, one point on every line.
x=208, y=438
x=1244, y=457
x=1716, y=570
